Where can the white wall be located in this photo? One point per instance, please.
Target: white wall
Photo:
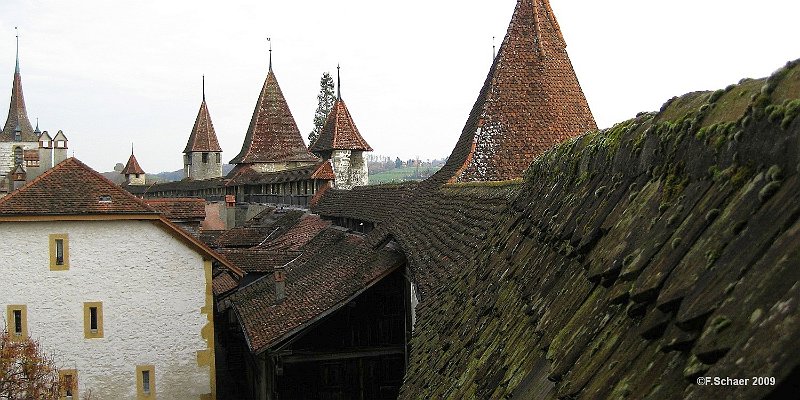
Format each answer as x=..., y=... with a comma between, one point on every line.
x=152, y=287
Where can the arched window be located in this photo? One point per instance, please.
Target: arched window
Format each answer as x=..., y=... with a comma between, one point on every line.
x=18, y=155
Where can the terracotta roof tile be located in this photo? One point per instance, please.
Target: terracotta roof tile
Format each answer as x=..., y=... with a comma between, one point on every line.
x=224, y=283
x=258, y=260
x=272, y=135
x=298, y=235
x=179, y=208
x=531, y=100
x=132, y=166
x=339, y=132
x=71, y=188
x=203, y=137
x=31, y=155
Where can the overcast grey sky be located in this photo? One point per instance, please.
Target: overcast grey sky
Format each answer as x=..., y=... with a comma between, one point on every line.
x=110, y=73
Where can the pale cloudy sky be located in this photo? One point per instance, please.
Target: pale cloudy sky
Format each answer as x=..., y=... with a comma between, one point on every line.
x=110, y=73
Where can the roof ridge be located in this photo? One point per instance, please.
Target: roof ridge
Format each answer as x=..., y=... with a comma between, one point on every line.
x=79, y=164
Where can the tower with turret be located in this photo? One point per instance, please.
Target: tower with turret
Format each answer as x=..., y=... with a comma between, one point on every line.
x=202, y=157
x=134, y=174
x=342, y=144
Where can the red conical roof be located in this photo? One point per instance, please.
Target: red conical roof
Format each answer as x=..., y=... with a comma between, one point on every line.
x=203, y=137
x=531, y=100
x=339, y=132
x=17, y=114
x=132, y=167
x=273, y=135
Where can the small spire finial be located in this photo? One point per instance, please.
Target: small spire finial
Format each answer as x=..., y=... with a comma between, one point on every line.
x=131, y=148
x=338, y=83
x=494, y=52
x=204, y=87
x=269, y=40
x=17, y=68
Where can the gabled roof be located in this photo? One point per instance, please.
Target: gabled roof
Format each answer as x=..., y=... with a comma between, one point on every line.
x=45, y=136
x=17, y=114
x=203, y=137
x=273, y=135
x=179, y=209
x=339, y=132
x=132, y=167
x=60, y=136
x=71, y=188
x=531, y=100
x=324, y=171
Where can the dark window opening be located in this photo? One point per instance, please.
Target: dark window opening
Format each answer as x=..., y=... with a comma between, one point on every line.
x=18, y=322
x=93, y=319
x=18, y=158
x=205, y=158
x=68, y=385
x=218, y=157
x=59, y=251
x=146, y=382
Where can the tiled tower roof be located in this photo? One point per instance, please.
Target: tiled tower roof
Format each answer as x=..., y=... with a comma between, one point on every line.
x=530, y=101
x=132, y=167
x=203, y=136
x=17, y=114
x=71, y=188
x=273, y=135
x=339, y=132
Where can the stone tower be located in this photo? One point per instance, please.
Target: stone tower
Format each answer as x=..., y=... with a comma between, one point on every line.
x=202, y=157
x=342, y=144
x=273, y=142
x=530, y=101
x=134, y=174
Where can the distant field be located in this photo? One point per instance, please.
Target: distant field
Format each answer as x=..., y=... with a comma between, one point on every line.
x=402, y=174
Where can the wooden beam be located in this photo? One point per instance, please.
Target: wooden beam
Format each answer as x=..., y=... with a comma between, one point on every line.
x=291, y=357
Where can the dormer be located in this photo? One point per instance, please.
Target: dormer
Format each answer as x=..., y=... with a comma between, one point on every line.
x=45, y=141
x=60, y=141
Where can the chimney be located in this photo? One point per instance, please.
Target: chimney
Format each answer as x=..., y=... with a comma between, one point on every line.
x=280, y=284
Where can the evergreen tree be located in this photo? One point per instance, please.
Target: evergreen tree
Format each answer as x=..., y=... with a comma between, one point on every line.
x=325, y=101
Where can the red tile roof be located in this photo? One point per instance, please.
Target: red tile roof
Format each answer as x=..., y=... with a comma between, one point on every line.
x=298, y=235
x=258, y=260
x=179, y=208
x=273, y=135
x=203, y=137
x=71, y=188
x=224, y=283
x=330, y=270
x=339, y=132
x=132, y=167
x=531, y=100
x=17, y=115
x=324, y=171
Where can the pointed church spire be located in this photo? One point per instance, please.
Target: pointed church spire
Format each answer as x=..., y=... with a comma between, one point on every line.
x=530, y=101
x=18, y=126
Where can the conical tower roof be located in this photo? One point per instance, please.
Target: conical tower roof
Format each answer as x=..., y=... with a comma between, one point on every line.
x=273, y=135
x=17, y=114
x=203, y=137
x=132, y=167
x=531, y=100
x=339, y=132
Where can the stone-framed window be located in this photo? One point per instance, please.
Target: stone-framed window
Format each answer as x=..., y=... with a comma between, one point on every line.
x=145, y=382
x=93, y=319
x=17, y=317
x=69, y=384
x=59, y=252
